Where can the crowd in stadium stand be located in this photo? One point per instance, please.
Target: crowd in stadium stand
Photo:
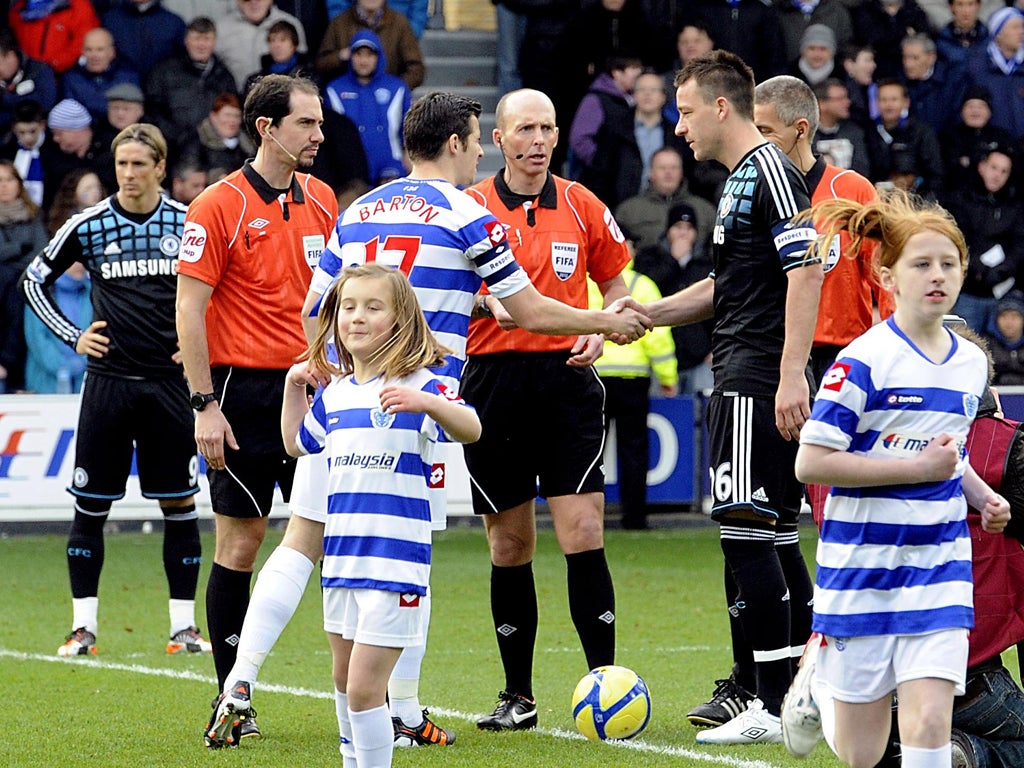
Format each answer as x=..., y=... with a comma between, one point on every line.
x=920, y=94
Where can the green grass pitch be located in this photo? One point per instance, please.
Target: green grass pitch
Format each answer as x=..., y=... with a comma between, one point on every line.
x=132, y=705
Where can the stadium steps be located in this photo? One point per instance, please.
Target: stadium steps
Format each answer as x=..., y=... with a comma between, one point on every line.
x=464, y=61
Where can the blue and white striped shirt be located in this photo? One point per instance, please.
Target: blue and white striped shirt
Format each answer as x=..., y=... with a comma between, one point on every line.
x=443, y=240
x=377, y=534
x=895, y=560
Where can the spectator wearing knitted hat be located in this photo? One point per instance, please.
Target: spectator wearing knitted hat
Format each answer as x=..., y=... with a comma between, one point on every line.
x=817, y=60
x=797, y=16
x=677, y=260
x=78, y=146
x=1001, y=69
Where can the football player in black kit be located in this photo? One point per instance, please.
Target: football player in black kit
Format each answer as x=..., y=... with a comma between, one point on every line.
x=763, y=296
x=134, y=393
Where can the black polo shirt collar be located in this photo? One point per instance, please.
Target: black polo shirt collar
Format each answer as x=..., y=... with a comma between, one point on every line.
x=548, y=197
x=813, y=176
x=268, y=193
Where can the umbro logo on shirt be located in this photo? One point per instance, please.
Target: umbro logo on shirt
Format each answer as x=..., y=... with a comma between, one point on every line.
x=259, y=223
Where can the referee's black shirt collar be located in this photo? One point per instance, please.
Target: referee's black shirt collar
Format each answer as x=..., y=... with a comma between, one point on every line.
x=813, y=176
x=267, y=192
x=548, y=197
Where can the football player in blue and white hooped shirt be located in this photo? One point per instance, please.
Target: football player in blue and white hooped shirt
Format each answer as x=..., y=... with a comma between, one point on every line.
x=448, y=246
x=379, y=420
x=893, y=592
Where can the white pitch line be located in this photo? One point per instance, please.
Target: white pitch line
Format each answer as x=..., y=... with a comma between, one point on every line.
x=558, y=733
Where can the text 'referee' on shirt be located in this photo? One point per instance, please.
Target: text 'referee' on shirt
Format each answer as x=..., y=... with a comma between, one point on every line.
x=563, y=236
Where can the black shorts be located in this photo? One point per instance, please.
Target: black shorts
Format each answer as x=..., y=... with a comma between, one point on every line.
x=250, y=400
x=153, y=417
x=542, y=420
x=752, y=466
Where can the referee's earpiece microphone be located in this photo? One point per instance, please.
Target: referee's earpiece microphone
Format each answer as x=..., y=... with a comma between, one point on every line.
x=270, y=136
x=501, y=146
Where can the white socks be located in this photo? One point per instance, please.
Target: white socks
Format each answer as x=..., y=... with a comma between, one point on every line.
x=345, y=746
x=183, y=614
x=373, y=737
x=84, y=611
x=279, y=588
x=919, y=757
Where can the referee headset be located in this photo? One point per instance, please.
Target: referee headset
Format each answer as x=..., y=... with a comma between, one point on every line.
x=268, y=135
x=501, y=146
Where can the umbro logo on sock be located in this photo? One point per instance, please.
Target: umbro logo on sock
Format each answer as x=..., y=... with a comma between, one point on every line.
x=506, y=629
x=607, y=617
x=233, y=640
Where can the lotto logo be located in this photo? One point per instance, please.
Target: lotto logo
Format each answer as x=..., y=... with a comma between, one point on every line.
x=835, y=376
x=408, y=601
x=437, y=476
x=495, y=232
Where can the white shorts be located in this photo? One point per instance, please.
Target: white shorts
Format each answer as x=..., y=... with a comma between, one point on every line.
x=309, y=491
x=859, y=670
x=374, y=617
x=309, y=488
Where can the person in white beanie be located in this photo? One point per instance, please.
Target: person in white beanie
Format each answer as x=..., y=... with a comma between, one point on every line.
x=78, y=146
x=1001, y=71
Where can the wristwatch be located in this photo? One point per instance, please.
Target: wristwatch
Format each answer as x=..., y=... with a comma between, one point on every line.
x=481, y=305
x=199, y=400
